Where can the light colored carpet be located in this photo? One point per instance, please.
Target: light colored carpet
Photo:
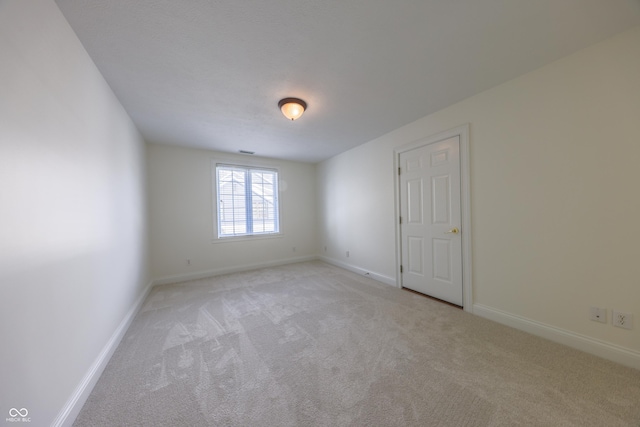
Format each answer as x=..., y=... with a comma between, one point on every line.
x=309, y=344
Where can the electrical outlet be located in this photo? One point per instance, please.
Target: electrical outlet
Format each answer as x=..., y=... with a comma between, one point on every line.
x=189, y=262
x=622, y=319
x=347, y=254
x=598, y=314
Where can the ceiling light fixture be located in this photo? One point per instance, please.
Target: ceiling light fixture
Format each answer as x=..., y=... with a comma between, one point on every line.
x=292, y=108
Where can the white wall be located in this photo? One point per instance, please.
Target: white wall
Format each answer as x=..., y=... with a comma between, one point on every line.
x=182, y=218
x=355, y=213
x=72, y=212
x=554, y=189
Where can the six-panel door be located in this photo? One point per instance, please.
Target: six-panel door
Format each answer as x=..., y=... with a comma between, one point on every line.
x=431, y=220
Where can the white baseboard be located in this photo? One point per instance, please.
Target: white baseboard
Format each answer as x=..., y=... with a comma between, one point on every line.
x=603, y=349
x=72, y=408
x=227, y=270
x=364, y=272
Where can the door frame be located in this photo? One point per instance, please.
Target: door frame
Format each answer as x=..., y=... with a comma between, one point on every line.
x=465, y=205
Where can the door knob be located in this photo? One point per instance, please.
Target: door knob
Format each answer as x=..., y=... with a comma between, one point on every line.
x=454, y=230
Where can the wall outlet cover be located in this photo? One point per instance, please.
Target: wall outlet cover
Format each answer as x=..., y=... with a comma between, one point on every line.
x=622, y=319
x=598, y=314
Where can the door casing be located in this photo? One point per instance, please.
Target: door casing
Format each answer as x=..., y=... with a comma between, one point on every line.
x=465, y=205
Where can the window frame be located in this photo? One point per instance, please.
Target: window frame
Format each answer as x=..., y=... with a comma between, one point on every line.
x=248, y=166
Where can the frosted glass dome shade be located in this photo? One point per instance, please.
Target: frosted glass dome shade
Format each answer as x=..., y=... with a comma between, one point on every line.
x=292, y=108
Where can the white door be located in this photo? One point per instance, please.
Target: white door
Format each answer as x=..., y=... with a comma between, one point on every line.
x=430, y=215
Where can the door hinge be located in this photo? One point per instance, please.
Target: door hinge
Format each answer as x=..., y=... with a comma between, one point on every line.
x=400, y=269
x=400, y=220
x=399, y=171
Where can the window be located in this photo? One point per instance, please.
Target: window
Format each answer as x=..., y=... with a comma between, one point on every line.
x=247, y=201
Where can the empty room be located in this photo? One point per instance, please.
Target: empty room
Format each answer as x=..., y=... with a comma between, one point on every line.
x=303, y=213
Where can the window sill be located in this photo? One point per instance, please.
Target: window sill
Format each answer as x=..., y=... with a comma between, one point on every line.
x=246, y=238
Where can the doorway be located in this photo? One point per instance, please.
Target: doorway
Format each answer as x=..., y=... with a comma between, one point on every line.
x=433, y=227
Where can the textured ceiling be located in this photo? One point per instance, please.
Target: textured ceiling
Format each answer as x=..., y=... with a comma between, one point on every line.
x=209, y=73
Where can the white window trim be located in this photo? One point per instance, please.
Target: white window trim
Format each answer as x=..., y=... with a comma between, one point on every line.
x=214, y=201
